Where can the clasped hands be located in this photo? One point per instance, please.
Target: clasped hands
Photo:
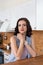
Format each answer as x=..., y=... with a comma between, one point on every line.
x=22, y=38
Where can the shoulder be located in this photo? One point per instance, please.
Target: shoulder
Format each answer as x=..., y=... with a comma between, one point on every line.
x=33, y=42
x=28, y=38
x=32, y=37
x=13, y=38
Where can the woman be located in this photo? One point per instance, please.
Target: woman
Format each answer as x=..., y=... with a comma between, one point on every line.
x=22, y=44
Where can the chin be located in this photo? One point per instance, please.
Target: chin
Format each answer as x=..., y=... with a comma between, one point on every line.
x=22, y=32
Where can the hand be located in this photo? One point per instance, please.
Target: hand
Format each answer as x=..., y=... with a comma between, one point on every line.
x=21, y=37
x=26, y=42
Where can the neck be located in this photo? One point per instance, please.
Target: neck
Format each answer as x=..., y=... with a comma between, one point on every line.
x=24, y=35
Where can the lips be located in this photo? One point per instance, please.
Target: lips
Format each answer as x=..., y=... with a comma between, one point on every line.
x=22, y=30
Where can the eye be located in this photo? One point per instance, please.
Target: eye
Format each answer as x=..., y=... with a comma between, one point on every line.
x=24, y=24
x=19, y=24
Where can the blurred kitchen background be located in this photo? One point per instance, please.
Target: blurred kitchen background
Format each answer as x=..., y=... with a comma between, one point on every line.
x=10, y=12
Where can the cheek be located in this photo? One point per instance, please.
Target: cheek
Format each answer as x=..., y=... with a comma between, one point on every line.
x=25, y=28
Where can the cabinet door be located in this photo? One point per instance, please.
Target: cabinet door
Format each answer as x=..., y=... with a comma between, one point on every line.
x=39, y=14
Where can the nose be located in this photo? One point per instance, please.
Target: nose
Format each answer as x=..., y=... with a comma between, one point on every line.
x=21, y=26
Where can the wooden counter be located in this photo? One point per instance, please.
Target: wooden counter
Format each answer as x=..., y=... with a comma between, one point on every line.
x=32, y=61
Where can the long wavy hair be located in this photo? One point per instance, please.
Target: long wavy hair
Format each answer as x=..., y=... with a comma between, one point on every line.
x=29, y=29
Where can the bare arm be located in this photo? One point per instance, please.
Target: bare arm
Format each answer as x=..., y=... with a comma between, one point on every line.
x=31, y=49
x=16, y=51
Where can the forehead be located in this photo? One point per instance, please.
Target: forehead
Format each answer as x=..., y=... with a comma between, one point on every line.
x=22, y=22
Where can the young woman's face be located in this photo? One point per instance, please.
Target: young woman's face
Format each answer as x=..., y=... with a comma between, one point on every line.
x=22, y=27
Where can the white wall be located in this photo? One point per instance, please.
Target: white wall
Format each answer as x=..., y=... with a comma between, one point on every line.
x=12, y=13
x=39, y=14
x=24, y=10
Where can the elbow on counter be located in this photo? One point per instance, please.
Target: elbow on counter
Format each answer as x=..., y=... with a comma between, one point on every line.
x=18, y=58
x=34, y=55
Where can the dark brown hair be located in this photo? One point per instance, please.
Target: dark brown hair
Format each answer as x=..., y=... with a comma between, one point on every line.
x=29, y=29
